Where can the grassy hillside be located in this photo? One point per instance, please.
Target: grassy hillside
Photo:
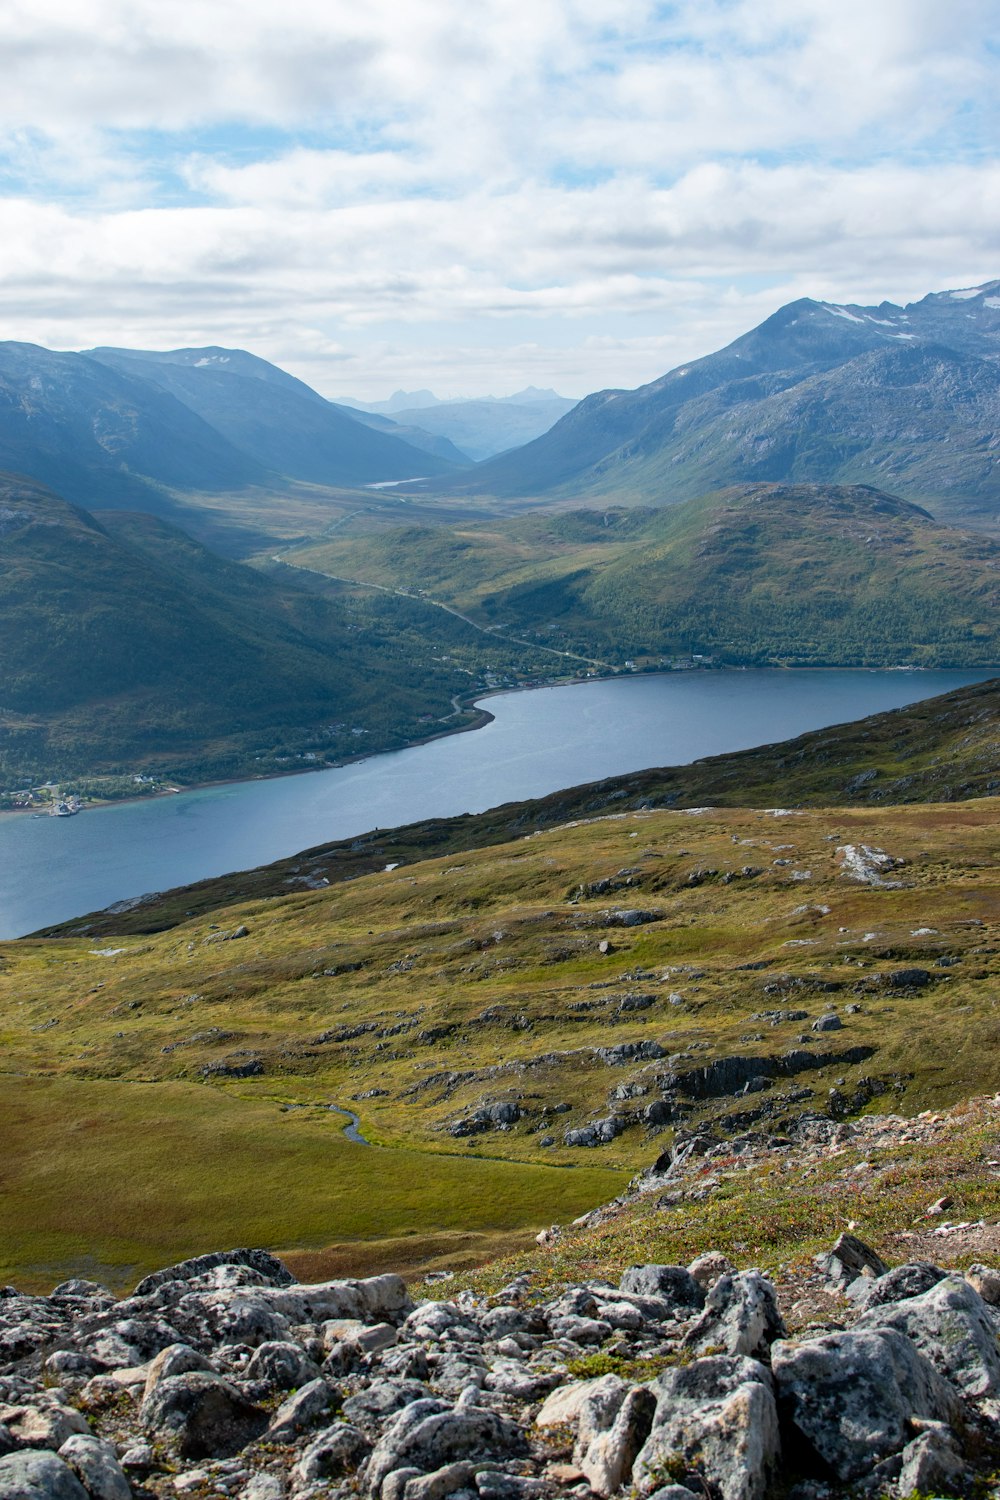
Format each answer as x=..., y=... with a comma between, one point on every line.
x=476, y=1010
x=794, y=574
x=126, y=645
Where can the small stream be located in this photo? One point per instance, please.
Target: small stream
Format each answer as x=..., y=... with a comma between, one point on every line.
x=352, y=1130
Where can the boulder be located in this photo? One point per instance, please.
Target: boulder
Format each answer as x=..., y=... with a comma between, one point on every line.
x=303, y=1409
x=717, y=1416
x=951, y=1325
x=674, y=1284
x=902, y=1282
x=281, y=1365
x=267, y=1266
x=851, y=1396
x=428, y=1435
x=740, y=1317
x=847, y=1260
x=338, y=1450
x=38, y=1476
x=95, y=1463
x=208, y=1417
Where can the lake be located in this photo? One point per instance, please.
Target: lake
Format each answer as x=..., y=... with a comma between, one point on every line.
x=52, y=869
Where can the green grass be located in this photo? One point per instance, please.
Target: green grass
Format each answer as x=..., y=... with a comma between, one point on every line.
x=113, y=1180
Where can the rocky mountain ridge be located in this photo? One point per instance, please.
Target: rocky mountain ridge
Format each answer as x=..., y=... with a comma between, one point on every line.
x=224, y=1376
x=901, y=397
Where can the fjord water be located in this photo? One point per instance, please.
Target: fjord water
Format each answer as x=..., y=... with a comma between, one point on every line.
x=52, y=869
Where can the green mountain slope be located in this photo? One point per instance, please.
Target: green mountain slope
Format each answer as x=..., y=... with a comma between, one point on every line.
x=906, y=397
x=125, y=644
x=817, y=574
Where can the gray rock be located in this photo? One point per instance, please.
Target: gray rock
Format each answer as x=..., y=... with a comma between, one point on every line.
x=95, y=1463
x=741, y=1317
x=851, y=1396
x=207, y=1416
x=38, y=1476
x=849, y=1259
x=266, y=1265
x=951, y=1325
x=830, y=1022
x=932, y=1465
x=337, y=1450
x=176, y=1359
x=610, y=1435
x=428, y=1435
x=903, y=1282
x=372, y=1405
x=303, y=1409
x=41, y=1426
x=281, y=1365
x=718, y=1416
x=674, y=1284
x=673, y=1492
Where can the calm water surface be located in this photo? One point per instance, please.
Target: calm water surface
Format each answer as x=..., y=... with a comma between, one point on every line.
x=52, y=869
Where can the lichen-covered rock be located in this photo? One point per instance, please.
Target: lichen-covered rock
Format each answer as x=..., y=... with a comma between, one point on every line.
x=740, y=1317
x=206, y=1415
x=851, y=1396
x=951, y=1325
x=337, y=1450
x=95, y=1463
x=38, y=1476
x=717, y=1416
x=674, y=1284
x=428, y=1435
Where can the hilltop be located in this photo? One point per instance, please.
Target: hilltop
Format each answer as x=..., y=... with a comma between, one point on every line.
x=798, y=574
x=904, y=398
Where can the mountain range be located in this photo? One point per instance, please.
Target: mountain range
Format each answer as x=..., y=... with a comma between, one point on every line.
x=905, y=398
x=129, y=428
x=479, y=427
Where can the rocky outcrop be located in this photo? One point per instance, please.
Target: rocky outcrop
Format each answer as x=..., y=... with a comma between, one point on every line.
x=224, y=1376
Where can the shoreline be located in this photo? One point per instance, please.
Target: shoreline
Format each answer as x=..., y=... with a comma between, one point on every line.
x=483, y=717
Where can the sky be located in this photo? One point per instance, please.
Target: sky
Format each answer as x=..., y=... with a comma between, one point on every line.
x=475, y=198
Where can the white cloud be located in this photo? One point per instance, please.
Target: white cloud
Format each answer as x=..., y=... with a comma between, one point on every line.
x=373, y=193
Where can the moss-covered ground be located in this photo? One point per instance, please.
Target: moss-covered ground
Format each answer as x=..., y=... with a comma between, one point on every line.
x=171, y=1092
